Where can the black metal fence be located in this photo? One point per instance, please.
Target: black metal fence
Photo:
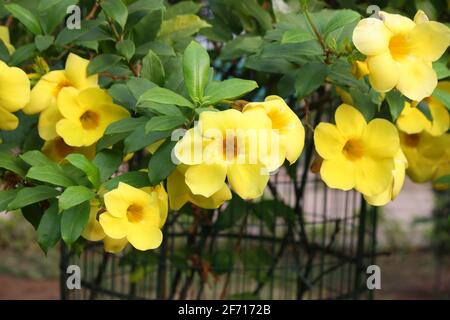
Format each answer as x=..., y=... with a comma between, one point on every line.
x=302, y=241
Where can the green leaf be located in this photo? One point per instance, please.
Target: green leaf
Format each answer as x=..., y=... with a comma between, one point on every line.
x=396, y=103
x=228, y=89
x=425, y=109
x=310, y=77
x=13, y=164
x=73, y=196
x=82, y=163
x=241, y=45
x=165, y=96
x=443, y=96
x=181, y=26
x=125, y=125
x=117, y=10
x=43, y=42
x=6, y=196
x=441, y=68
x=36, y=158
x=340, y=19
x=126, y=48
x=27, y=196
x=52, y=174
x=164, y=123
x=196, y=68
x=152, y=68
x=49, y=229
x=26, y=17
x=108, y=161
x=184, y=7
x=139, y=139
x=73, y=222
x=161, y=109
x=102, y=63
x=443, y=180
x=161, y=165
x=33, y=214
x=22, y=54
x=52, y=13
x=296, y=36
x=137, y=179
x=67, y=36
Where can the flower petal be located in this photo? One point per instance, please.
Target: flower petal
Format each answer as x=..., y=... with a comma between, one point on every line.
x=74, y=134
x=116, y=228
x=417, y=79
x=248, y=180
x=412, y=120
x=8, y=121
x=76, y=72
x=373, y=176
x=371, y=37
x=381, y=139
x=68, y=104
x=117, y=203
x=14, y=88
x=397, y=23
x=349, y=121
x=177, y=190
x=338, y=173
x=328, y=140
x=430, y=40
x=206, y=179
x=47, y=122
x=44, y=93
x=144, y=237
x=93, y=230
x=441, y=117
x=383, y=72
x=114, y=245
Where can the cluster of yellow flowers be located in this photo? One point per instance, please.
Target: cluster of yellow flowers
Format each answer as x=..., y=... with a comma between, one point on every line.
x=243, y=147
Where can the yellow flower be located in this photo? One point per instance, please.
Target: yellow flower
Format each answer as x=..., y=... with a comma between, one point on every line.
x=227, y=149
x=180, y=194
x=86, y=115
x=424, y=153
x=94, y=232
x=4, y=36
x=57, y=150
x=46, y=91
x=285, y=121
x=134, y=214
x=161, y=197
x=400, y=52
x=357, y=154
x=14, y=95
x=412, y=120
x=394, y=189
x=360, y=69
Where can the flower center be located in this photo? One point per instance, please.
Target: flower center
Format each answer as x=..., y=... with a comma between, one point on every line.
x=399, y=47
x=135, y=213
x=60, y=86
x=230, y=147
x=412, y=140
x=89, y=120
x=353, y=150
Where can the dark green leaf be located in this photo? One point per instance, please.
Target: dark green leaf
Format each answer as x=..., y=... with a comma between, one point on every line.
x=108, y=161
x=165, y=96
x=152, y=68
x=443, y=96
x=43, y=42
x=164, y=123
x=297, y=36
x=125, y=125
x=73, y=196
x=73, y=222
x=49, y=229
x=27, y=196
x=103, y=62
x=85, y=165
x=161, y=164
x=126, y=48
x=196, y=67
x=310, y=77
x=12, y=163
x=228, y=89
x=6, y=196
x=396, y=103
x=25, y=16
x=36, y=158
x=52, y=13
x=52, y=174
x=22, y=54
x=137, y=179
x=117, y=10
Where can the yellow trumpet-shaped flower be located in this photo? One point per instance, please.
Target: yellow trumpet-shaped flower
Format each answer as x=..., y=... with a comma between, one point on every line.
x=94, y=232
x=425, y=154
x=57, y=150
x=46, y=91
x=134, y=214
x=400, y=52
x=86, y=115
x=287, y=124
x=360, y=69
x=4, y=36
x=393, y=190
x=14, y=95
x=412, y=120
x=180, y=194
x=357, y=154
x=224, y=145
